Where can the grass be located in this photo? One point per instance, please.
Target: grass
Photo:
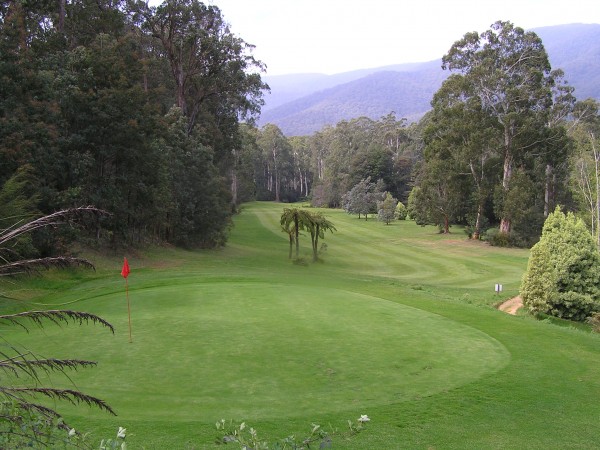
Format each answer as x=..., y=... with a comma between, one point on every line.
x=397, y=322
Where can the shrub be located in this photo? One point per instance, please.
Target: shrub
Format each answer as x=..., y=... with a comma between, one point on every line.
x=538, y=287
x=401, y=211
x=572, y=306
x=496, y=238
x=563, y=272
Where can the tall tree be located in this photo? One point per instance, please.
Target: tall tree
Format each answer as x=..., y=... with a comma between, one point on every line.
x=277, y=158
x=212, y=68
x=510, y=75
x=439, y=194
x=585, y=174
x=460, y=129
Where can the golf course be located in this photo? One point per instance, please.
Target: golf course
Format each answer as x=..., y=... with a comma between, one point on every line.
x=397, y=322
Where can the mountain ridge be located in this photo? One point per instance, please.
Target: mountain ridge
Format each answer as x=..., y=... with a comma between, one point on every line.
x=301, y=104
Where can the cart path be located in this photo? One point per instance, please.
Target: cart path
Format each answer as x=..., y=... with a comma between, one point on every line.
x=511, y=306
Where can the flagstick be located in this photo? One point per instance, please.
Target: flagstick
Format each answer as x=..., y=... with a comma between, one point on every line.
x=128, y=307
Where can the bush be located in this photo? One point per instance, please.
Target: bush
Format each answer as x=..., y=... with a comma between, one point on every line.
x=401, y=211
x=538, y=287
x=572, y=306
x=563, y=272
x=496, y=238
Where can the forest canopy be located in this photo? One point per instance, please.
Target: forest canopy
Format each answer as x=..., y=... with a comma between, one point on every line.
x=130, y=108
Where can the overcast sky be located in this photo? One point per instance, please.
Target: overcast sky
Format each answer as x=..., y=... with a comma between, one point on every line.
x=333, y=36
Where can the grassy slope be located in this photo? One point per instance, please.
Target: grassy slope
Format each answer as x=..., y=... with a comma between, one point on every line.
x=412, y=297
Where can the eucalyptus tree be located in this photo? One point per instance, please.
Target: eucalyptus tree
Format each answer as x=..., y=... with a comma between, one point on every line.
x=462, y=132
x=439, y=193
x=276, y=151
x=392, y=132
x=585, y=165
x=213, y=70
x=510, y=76
x=301, y=160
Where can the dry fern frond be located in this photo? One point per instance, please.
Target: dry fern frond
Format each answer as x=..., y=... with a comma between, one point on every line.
x=34, y=265
x=57, y=316
x=51, y=220
x=70, y=395
x=19, y=365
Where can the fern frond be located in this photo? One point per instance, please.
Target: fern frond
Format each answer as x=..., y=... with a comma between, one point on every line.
x=57, y=316
x=51, y=220
x=70, y=395
x=33, y=265
x=19, y=365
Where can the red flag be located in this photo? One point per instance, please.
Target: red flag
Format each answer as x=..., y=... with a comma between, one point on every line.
x=125, y=269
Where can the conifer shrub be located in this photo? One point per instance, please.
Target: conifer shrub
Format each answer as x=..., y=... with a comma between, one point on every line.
x=563, y=272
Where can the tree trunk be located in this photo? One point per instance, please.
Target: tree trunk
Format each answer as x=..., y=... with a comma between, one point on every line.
x=548, y=191
x=306, y=185
x=597, y=173
x=477, y=229
x=234, y=187
x=62, y=8
x=446, y=225
x=297, y=231
x=316, y=243
x=505, y=222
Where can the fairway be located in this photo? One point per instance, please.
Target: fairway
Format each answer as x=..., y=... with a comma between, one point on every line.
x=397, y=322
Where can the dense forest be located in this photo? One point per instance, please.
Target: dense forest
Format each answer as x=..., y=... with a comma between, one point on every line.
x=148, y=113
x=130, y=108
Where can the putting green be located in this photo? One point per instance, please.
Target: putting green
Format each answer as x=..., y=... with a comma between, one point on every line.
x=240, y=350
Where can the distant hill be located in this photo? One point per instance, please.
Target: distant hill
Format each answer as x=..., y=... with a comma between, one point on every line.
x=301, y=104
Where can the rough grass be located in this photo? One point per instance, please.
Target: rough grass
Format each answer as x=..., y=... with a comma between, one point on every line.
x=396, y=322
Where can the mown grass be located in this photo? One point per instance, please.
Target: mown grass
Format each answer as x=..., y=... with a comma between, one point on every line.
x=397, y=322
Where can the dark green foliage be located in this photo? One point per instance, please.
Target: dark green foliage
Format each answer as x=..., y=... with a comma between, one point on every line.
x=480, y=115
x=84, y=103
x=572, y=306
